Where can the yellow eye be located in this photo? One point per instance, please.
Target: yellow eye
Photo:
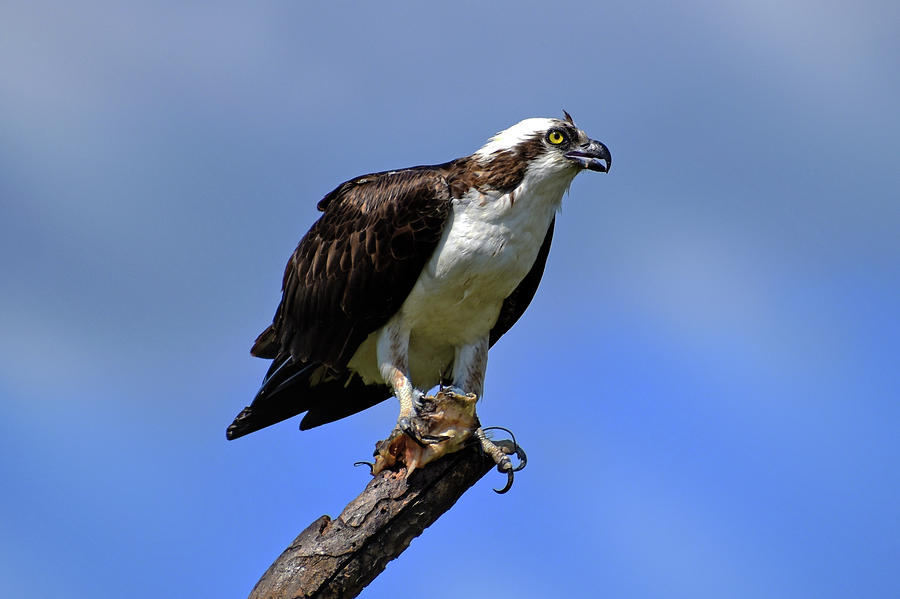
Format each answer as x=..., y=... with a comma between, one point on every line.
x=555, y=137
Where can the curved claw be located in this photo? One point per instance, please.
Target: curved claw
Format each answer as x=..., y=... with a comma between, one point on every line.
x=500, y=451
x=406, y=426
x=509, y=483
x=371, y=466
x=515, y=449
x=431, y=439
x=506, y=466
x=523, y=459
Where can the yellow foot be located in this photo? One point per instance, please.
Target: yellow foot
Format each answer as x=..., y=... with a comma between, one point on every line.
x=443, y=424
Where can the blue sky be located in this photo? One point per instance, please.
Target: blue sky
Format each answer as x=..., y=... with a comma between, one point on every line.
x=706, y=383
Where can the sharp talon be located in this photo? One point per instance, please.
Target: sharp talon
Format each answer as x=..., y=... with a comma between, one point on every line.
x=516, y=448
x=405, y=425
x=454, y=390
x=371, y=466
x=523, y=459
x=505, y=430
x=414, y=437
x=509, y=483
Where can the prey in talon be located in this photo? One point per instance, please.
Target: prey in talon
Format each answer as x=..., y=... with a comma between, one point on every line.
x=443, y=424
x=406, y=280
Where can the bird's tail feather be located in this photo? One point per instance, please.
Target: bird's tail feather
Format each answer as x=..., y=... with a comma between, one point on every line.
x=272, y=402
x=292, y=387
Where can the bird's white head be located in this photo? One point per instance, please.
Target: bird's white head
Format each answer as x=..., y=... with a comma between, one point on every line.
x=548, y=145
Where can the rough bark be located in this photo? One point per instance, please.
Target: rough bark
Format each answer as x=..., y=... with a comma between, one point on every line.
x=338, y=558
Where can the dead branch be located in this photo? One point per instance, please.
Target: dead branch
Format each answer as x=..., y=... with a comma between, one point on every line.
x=338, y=558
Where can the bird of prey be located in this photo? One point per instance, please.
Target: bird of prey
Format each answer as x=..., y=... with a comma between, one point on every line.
x=409, y=277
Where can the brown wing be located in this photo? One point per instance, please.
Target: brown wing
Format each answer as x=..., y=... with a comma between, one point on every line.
x=354, y=268
x=349, y=274
x=514, y=305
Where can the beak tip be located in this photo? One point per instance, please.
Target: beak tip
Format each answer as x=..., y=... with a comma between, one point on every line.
x=593, y=156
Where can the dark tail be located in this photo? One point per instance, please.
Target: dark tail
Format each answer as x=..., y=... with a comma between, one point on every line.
x=291, y=388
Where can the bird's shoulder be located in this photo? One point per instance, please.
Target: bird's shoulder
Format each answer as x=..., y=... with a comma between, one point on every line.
x=357, y=263
x=372, y=191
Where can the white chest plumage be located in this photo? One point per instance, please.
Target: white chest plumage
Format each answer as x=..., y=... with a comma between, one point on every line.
x=422, y=262
x=489, y=245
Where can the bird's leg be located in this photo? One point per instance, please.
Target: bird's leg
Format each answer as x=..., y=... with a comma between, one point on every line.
x=413, y=405
x=424, y=423
x=393, y=361
x=431, y=427
x=500, y=452
x=469, y=367
x=417, y=431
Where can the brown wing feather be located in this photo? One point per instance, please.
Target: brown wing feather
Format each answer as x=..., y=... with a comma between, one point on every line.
x=346, y=278
x=349, y=274
x=354, y=268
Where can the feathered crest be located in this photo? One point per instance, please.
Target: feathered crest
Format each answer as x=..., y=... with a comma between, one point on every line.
x=569, y=118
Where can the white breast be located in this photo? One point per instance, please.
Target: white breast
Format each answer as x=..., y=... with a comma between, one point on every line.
x=487, y=249
x=488, y=246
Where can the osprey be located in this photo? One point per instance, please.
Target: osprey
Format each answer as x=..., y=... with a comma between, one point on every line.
x=409, y=277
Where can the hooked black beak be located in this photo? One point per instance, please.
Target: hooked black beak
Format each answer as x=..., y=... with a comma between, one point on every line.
x=591, y=155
